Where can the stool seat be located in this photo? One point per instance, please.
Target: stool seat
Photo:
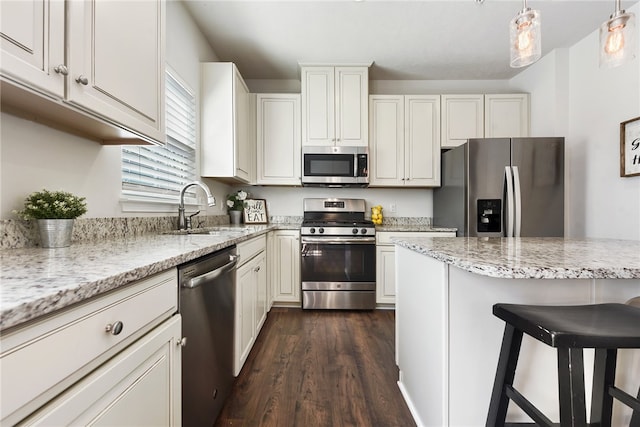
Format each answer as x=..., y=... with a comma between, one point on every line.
x=578, y=326
x=570, y=329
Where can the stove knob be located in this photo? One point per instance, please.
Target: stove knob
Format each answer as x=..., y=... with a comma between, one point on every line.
x=363, y=231
x=354, y=231
x=312, y=230
x=321, y=230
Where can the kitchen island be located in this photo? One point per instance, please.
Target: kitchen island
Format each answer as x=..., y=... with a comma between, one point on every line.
x=448, y=341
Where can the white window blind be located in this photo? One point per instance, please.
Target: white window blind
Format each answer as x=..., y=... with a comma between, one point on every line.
x=158, y=173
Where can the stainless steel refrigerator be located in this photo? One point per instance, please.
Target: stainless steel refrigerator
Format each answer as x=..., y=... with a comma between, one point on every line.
x=502, y=187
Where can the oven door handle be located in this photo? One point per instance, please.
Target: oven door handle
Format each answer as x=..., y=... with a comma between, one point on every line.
x=340, y=240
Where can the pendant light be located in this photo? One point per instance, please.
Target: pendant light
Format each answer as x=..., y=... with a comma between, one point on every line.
x=617, y=38
x=524, y=37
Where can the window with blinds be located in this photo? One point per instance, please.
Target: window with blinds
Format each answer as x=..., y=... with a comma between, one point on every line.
x=158, y=173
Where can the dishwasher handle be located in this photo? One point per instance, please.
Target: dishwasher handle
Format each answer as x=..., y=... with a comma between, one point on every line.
x=199, y=280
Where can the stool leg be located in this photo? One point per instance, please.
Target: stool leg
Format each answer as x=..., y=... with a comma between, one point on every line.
x=604, y=372
x=573, y=410
x=635, y=417
x=505, y=373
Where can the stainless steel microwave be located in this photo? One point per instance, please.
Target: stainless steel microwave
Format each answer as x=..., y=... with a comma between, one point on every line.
x=335, y=166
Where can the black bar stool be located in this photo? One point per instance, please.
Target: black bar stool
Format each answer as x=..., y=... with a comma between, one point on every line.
x=570, y=329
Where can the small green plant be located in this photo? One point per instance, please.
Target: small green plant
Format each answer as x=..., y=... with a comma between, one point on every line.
x=52, y=205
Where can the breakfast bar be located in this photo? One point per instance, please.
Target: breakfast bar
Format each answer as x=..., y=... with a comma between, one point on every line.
x=448, y=341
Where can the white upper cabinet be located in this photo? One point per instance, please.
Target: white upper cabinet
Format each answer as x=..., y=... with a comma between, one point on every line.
x=462, y=118
x=116, y=61
x=226, y=149
x=109, y=76
x=405, y=140
x=32, y=41
x=483, y=116
x=506, y=115
x=278, y=136
x=334, y=105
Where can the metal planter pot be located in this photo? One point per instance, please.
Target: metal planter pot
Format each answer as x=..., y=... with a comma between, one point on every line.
x=55, y=233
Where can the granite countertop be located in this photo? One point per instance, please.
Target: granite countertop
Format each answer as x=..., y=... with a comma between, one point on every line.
x=412, y=228
x=36, y=281
x=534, y=258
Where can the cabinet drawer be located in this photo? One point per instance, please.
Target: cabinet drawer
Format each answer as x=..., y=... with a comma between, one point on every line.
x=42, y=359
x=384, y=237
x=251, y=248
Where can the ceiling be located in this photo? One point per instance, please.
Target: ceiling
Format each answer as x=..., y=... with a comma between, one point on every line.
x=406, y=40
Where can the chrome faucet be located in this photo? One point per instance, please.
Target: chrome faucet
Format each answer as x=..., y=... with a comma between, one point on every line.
x=211, y=201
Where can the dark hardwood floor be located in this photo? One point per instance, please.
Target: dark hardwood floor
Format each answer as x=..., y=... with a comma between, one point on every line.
x=320, y=368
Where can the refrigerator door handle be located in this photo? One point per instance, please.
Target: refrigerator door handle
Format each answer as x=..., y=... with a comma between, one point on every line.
x=518, y=201
x=509, y=185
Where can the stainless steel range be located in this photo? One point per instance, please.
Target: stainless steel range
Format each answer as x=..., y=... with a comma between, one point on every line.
x=338, y=255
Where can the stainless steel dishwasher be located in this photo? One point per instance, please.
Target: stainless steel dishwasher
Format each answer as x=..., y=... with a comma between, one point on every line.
x=207, y=301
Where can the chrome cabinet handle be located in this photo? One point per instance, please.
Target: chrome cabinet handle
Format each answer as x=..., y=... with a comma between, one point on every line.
x=182, y=342
x=82, y=80
x=61, y=69
x=114, y=328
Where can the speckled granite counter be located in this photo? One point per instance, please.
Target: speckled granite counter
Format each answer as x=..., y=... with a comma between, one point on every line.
x=536, y=258
x=36, y=281
x=411, y=228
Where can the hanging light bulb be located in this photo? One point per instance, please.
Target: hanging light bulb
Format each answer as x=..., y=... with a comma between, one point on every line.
x=617, y=42
x=524, y=37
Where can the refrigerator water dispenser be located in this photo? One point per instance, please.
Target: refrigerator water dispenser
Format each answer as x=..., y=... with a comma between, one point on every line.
x=489, y=215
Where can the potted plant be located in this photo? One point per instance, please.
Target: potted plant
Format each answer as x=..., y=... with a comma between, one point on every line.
x=236, y=203
x=55, y=212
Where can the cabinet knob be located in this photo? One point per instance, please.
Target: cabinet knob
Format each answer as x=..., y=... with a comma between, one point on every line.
x=61, y=69
x=114, y=328
x=182, y=342
x=82, y=80
x=256, y=269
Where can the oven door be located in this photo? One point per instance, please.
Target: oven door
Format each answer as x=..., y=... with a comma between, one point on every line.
x=338, y=263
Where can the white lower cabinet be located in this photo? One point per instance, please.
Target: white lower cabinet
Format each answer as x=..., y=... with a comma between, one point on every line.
x=386, y=261
x=114, y=357
x=284, y=263
x=140, y=386
x=251, y=298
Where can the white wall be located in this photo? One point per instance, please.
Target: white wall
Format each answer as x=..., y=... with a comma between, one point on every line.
x=33, y=156
x=287, y=201
x=572, y=97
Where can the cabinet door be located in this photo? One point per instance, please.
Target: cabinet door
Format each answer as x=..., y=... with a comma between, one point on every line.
x=139, y=386
x=32, y=43
x=385, y=274
x=462, y=118
x=241, y=126
x=278, y=136
x=244, y=329
x=285, y=267
x=318, y=106
x=422, y=140
x=260, y=273
x=116, y=61
x=386, y=151
x=352, y=90
x=506, y=115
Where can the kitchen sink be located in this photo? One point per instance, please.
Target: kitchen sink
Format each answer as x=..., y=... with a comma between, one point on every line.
x=213, y=231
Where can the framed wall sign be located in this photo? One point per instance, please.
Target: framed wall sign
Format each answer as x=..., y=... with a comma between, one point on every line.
x=630, y=147
x=255, y=211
